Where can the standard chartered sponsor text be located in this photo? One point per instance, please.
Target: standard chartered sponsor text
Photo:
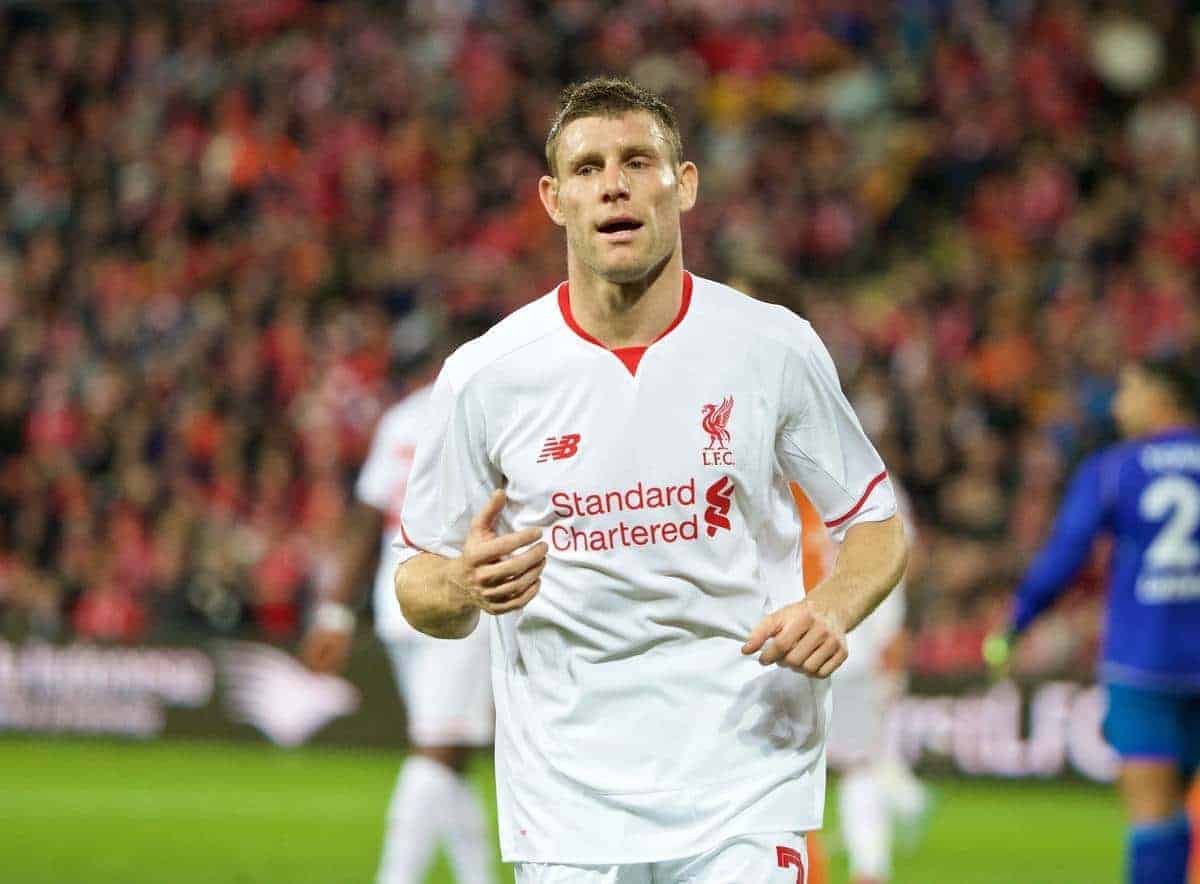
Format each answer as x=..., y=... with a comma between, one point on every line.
x=638, y=497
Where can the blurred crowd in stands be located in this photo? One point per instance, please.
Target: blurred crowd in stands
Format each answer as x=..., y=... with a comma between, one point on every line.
x=213, y=214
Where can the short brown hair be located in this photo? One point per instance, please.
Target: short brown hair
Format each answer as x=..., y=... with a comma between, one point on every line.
x=610, y=97
x=1177, y=371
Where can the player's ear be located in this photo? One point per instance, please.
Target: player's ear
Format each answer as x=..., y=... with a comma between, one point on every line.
x=548, y=191
x=688, y=182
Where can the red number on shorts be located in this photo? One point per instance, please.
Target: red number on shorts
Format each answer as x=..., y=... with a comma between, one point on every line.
x=788, y=856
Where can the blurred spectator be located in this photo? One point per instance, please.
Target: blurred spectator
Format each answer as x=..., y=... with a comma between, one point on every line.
x=213, y=214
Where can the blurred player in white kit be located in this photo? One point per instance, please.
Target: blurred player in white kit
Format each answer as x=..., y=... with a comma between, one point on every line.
x=445, y=685
x=877, y=792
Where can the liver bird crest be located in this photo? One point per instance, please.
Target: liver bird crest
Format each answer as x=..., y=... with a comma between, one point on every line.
x=714, y=421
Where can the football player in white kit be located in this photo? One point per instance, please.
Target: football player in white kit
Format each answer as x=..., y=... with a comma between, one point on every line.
x=445, y=685
x=877, y=790
x=606, y=477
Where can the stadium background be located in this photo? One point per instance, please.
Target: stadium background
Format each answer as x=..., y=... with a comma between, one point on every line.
x=212, y=216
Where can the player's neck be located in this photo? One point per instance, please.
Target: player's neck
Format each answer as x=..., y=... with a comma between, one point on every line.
x=626, y=314
x=1176, y=423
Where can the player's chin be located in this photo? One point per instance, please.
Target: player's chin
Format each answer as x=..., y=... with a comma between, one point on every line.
x=623, y=269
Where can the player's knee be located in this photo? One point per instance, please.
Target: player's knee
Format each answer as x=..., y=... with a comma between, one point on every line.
x=1153, y=792
x=1147, y=811
x=453, y=757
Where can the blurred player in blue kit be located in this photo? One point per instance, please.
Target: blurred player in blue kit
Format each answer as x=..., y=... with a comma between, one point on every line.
x=1145, y=493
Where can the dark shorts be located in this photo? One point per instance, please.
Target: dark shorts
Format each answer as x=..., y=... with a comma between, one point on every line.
x=1146, y=724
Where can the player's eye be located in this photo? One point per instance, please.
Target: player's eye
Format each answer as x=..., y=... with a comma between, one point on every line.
x=585, y=170
x=639, y=163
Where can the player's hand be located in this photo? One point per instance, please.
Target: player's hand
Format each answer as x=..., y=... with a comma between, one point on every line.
x=997, y=653
x=490, y=572
x=326, y=650
x=800, y=638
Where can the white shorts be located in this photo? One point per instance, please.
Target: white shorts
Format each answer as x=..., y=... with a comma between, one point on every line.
x=446, y=686
x=860, y=704
x=748, y=859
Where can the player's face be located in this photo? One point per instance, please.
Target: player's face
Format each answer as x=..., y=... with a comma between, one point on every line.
x=1136, y=399
x=619, y=194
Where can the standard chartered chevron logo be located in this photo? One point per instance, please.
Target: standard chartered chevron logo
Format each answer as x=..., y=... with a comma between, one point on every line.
x=278, y=694
x=719, y=498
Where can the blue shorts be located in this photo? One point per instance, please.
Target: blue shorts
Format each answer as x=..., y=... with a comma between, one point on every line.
x=1148, y=724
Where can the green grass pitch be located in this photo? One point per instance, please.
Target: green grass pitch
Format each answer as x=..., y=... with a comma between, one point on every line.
x=183, y=813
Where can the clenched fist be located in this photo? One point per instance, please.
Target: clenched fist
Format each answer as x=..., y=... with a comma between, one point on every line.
x=800, y=638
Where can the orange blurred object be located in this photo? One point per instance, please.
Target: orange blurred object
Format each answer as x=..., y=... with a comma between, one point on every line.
x=1194, y=810
x=818, y=866
x=816, y=546
x=817, y=554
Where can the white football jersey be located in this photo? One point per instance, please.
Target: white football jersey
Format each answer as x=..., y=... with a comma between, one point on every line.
x=381, y=484
x=630, y=727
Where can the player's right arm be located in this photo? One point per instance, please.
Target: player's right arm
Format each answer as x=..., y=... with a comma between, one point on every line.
x=442, y=596
x=455, y=559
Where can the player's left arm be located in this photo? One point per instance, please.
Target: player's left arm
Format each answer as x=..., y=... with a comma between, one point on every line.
x=327, y=641
x=810, y=635
x=1081, y=515
x=821, y=446
x=325, y=646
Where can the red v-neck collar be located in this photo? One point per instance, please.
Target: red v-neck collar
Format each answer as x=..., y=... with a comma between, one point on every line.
x=630, y=356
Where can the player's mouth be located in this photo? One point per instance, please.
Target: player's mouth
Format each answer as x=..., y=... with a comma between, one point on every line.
x=619, y=229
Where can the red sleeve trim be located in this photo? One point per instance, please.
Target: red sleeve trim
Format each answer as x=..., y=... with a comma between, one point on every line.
x=408, y=540
x=861, y=501
x=564, y=306
x=685, y=301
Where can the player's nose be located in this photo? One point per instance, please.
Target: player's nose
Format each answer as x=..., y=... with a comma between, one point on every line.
x=616, y=183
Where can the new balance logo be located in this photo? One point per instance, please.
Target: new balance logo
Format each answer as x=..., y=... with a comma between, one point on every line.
x=719, y=498
x=559, y=447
